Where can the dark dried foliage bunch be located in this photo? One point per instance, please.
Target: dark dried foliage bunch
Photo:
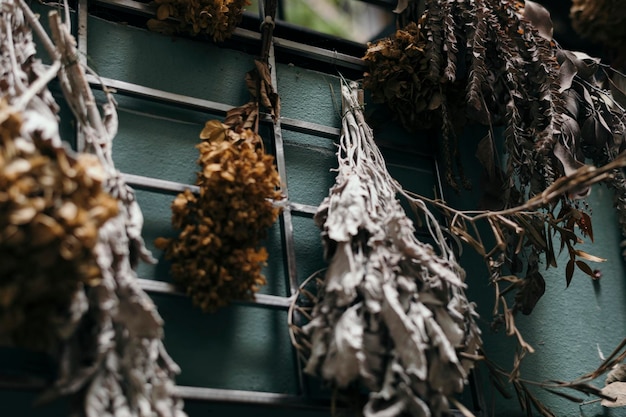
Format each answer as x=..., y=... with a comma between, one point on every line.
x=557, y=108
x=51, y=207
x=216, y=257
x=215, y=18
x=479, y=61
x=496, y=59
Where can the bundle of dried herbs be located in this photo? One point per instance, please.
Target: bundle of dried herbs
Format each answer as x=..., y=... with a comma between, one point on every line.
x=216, y=18
x=391, y=314
x=216, y=256
x=558, y=108
x=111, y=358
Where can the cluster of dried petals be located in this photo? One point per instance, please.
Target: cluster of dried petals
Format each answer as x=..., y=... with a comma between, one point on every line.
x=51, y=207
x=398, y=76
x=216, y=257
x=216, y=18
x=600, y=20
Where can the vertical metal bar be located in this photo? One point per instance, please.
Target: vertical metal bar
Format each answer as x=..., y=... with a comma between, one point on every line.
x=286, y=221
x=286, y=218
x=81, y=36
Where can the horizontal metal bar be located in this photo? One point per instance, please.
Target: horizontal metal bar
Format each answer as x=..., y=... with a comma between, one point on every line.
x=305, y=209
x=139, y=91
x=310, y=128
x=252, y=398
x=319, y=54
x=261, y=300
x=142, y=182
x=308, y=51
x=154, y=184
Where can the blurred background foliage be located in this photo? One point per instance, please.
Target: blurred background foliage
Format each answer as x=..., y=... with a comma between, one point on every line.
x=353, y=20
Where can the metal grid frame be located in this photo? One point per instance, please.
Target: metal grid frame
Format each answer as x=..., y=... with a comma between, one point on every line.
x=290, y=209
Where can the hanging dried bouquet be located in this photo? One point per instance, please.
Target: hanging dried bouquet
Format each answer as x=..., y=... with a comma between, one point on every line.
x=497, y=63
x=391, y=314
x=216, y=18
x=216, y=256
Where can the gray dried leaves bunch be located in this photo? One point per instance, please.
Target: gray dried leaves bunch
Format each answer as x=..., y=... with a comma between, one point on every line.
x=112, y=358
x=391, y=314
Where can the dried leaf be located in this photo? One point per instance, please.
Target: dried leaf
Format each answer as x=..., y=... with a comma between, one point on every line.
x=539, y=17
x=588, y=257
x=616, y=390
x=214, y=131
x=569, y=272
x=617, y=83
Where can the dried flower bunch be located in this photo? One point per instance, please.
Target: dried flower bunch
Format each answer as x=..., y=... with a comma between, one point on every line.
x=480, y=61
x=216, y=257
x=111, y=357
x=52, y=204
x=391, y=314
x=600, y=20
x=216, y=18
x=51, y=207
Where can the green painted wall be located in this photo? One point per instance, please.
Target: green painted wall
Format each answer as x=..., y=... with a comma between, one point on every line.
x=248, y=347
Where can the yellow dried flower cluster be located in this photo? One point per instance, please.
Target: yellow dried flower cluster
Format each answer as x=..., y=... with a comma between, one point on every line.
x=51, y=207
x=216, y=18
x=216, y=257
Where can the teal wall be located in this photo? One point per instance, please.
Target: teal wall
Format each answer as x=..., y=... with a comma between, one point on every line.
x=247, y=347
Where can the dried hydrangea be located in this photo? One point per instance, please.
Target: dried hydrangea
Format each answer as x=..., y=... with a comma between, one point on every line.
x=391, y=314
x=51, y=207
x=600, y=20
x=216, y=18
x=216, y=257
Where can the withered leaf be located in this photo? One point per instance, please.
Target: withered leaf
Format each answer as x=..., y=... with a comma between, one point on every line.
x=615, y=390
x=585, y=268
x=532, y=289
x=539, y=17
x=214, y=131
x=588, y=256
x=617, y=83
x=569, y=272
